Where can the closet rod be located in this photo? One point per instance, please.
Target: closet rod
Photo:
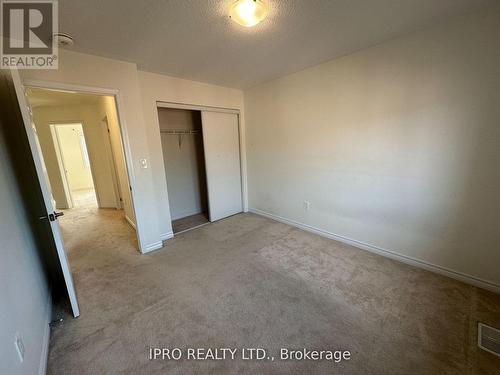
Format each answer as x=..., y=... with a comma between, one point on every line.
x=180, y=131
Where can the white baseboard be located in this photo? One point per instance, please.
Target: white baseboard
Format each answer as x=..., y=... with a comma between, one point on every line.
x=166, y=236
x=468, y=279
x=152, y=247
x=157, y=245
x=130, y=221
x=44, y=356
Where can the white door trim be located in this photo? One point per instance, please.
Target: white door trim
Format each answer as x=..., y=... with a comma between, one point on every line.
x=194, y=107
x=111, y=161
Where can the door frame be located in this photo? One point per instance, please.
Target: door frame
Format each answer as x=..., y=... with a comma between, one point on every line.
x=59, y=154
x=118, y=96
x=194, y=107
x=112, y=162
x=241, y=133
x=61, y=166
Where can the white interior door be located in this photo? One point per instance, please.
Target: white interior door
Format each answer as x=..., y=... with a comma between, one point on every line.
x=111, y=154
x=51, y=215
x=221, y=143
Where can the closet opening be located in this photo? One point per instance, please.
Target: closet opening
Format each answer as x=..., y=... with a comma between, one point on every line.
x=184, y=161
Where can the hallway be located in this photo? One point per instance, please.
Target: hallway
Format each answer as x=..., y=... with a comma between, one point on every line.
x=84, y=198
x=87, y=229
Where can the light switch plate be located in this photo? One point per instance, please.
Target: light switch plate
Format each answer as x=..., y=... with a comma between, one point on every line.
x=143, y=163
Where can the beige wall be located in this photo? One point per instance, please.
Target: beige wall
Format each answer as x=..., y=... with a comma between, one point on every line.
x=91, y=119
x=396, y=146
x=155, y=87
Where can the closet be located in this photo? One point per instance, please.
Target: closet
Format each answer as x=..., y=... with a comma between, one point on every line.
x=201, y=155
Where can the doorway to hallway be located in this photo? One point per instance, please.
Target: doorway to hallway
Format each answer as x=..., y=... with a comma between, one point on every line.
x=71, y=150
x=80, y=147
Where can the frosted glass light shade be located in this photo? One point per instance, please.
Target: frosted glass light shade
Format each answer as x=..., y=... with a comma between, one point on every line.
x=248, y=13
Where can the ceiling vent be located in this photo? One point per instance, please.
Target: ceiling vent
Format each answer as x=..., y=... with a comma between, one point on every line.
x=488, y=338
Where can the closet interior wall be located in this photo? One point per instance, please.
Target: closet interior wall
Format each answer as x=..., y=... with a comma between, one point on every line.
x=184, y=161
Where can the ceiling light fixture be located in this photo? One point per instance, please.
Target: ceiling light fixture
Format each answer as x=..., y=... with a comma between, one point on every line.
x=248, y=13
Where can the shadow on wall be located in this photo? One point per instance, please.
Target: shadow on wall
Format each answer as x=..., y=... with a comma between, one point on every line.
x=476, y=227
x=466, y=148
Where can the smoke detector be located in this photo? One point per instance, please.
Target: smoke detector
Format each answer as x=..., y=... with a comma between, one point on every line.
x=64, y=40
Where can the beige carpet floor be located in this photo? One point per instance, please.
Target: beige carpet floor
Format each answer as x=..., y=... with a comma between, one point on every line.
x=250, y=282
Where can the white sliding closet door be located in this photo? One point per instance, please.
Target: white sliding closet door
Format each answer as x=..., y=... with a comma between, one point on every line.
x=221, y=143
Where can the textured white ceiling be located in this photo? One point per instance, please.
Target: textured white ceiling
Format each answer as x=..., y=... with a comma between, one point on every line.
x=195, y=39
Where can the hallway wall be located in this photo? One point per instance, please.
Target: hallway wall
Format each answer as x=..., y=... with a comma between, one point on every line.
x=90, y=117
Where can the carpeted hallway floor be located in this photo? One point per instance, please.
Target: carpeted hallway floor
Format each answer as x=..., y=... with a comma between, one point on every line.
x=249, y=282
